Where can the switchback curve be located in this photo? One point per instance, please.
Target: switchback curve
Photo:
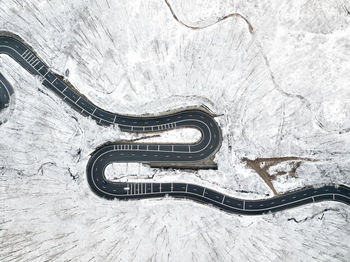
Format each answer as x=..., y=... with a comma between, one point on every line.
x=197, y=155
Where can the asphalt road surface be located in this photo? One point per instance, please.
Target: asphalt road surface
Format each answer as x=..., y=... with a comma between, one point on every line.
x=197, y=155
x=6, y=91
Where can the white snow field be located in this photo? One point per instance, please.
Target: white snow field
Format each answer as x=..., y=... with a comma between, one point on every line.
x=275, y=72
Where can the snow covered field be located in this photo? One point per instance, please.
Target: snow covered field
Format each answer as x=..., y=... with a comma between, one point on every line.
x=277, y=76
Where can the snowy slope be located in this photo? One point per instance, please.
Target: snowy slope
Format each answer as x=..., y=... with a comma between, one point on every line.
x=280, y=89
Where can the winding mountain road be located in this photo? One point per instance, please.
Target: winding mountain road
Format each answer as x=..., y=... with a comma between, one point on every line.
x=197, y=155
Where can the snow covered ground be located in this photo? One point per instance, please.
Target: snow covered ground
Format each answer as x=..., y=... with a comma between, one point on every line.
x=281, y=89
